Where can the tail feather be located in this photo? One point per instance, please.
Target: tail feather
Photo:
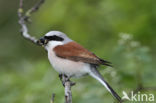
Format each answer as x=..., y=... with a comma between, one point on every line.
x=95, y=74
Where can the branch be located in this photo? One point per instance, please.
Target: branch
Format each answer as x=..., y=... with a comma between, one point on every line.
x=52, y=98
x=67, y=85
x=23, y=18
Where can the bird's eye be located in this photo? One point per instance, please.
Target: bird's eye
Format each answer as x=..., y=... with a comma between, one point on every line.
x=54, y=37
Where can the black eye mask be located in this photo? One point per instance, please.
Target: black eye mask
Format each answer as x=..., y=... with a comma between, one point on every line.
x=54, y=38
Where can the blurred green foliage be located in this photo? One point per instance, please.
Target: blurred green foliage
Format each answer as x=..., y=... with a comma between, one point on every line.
x=101, y=26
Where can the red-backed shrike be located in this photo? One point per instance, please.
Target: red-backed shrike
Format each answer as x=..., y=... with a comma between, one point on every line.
x=70, y=58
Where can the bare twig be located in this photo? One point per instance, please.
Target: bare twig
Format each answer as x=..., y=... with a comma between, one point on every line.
x=36, y=6
x=52, y=98
x=144, y=89
x=150, y=88
x=33, y=9
x=67, y=84
x=23, y=19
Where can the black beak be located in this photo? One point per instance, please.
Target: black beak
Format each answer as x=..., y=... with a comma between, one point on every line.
x=42, y=41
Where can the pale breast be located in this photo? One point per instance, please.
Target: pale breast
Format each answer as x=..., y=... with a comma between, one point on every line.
x=68, y=67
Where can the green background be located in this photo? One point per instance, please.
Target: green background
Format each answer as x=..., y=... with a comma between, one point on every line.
x=120, y=31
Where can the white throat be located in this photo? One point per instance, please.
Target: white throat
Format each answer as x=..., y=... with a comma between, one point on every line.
x=52, y=44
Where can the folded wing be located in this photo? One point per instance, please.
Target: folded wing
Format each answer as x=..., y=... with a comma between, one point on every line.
x=74, y=51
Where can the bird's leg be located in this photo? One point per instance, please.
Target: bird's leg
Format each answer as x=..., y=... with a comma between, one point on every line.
x=64, y=79
x=68, y=80
x=67, y=85
x=61, y=78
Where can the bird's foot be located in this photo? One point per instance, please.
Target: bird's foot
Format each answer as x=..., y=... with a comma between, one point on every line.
x=65, y=79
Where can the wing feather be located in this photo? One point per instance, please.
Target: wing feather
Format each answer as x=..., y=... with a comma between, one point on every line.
x=74, y=51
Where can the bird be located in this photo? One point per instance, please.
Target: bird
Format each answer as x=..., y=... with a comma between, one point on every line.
x=73, y=60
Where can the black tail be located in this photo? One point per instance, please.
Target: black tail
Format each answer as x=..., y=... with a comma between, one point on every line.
x=95, y=73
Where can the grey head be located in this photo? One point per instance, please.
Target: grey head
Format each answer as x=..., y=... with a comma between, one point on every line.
x=54, y=36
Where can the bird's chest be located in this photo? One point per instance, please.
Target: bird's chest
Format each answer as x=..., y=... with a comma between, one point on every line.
x=65, y=66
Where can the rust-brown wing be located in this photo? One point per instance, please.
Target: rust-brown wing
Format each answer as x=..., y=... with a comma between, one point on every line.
x=74, y=51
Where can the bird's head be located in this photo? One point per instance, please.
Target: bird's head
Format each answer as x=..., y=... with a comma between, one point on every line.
x=52, y=37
